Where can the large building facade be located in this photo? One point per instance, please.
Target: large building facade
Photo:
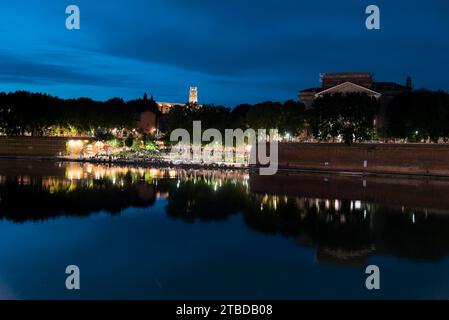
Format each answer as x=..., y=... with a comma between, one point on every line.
x=356, y=82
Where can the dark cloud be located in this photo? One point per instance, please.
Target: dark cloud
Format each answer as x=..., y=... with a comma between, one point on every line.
x=234, y=38
x=226, y=37
x=14, y=69
x=232, y=48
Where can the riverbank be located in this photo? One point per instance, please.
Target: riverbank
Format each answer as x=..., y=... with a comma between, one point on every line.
x=135, y=162
x=426, y=160
x=153, y=162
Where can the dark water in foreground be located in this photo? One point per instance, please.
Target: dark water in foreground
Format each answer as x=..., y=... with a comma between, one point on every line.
x=177, y=234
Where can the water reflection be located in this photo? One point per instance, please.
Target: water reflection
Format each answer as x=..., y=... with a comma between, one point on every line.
x=304, y=208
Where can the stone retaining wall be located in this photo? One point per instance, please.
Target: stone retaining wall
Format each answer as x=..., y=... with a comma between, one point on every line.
x=418, y=159
x=31, y=146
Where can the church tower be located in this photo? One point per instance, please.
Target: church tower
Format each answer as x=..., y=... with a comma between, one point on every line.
x=193, y=95
x=409, y=83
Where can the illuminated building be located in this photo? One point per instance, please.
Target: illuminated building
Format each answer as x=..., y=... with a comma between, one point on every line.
x=356, y=82
x=165, y=107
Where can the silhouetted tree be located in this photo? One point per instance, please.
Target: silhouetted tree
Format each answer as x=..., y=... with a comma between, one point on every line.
x=287, y=117
x=40, y=114
x=350, y=116
x=419, y=115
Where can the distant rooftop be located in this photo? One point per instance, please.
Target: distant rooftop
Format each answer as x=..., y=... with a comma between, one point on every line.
x=330, y=80
x=347, y=74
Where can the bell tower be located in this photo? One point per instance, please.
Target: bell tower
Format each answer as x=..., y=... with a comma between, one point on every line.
x=409, y=83
x=193, y=95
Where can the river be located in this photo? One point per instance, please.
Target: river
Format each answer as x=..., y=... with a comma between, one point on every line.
x=164, y=233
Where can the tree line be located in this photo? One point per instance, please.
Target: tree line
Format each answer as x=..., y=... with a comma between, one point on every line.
x=416, y=115
x=349, y=116
x=36, y=114
x=287, y=117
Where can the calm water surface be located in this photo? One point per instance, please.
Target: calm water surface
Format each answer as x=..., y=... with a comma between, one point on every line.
x=182, y=234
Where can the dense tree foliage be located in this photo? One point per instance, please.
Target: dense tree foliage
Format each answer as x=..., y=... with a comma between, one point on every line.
x=286, y=117
x=349, y=116
x=40, y=114
x=417, y=115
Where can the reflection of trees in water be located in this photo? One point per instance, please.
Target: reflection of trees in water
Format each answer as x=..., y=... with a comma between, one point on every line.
x=35, y=201
x=312, y=223
x=412, y=234
x=346, y=232
x=192, y=201
x=87, y=188
x=341, y=231
x=338, y=232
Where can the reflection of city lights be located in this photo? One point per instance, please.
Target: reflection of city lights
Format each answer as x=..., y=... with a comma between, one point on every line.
x=72, y=172
x=155, y=172
x=275, y=210
x=162, y=195
x=88, y=173
x=337, y=205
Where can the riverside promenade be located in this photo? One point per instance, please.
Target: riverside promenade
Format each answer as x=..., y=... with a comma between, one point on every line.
x=375, y=158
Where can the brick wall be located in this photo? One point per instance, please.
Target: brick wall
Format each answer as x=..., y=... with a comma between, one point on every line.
x=30, y=146
x=371, y=158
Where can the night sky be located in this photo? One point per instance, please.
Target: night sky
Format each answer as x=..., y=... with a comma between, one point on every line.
x=235, y=51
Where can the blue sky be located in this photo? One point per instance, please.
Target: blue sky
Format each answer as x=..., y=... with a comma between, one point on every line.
x=235, y=51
